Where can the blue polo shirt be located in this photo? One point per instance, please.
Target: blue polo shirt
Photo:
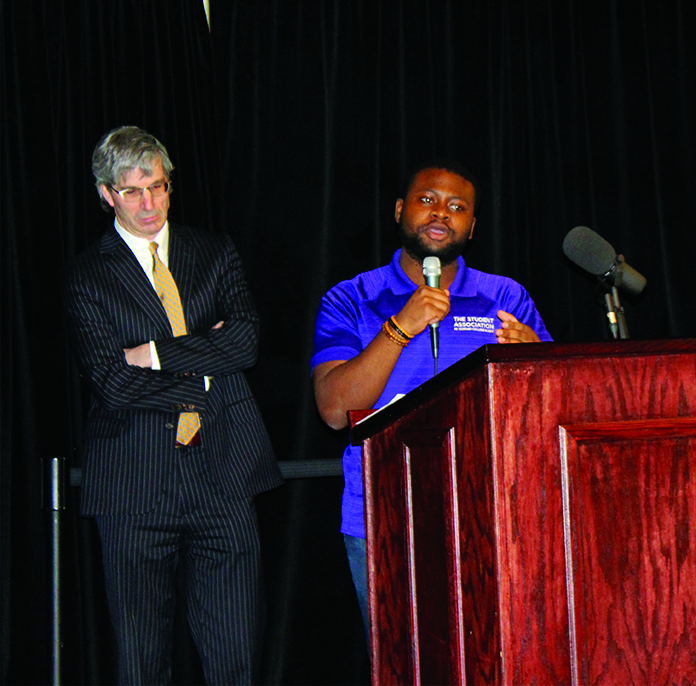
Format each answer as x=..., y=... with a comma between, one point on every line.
x=352, y=313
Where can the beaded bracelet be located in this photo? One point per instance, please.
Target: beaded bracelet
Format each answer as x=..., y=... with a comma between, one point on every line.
x=386, y=330
x=398, y=328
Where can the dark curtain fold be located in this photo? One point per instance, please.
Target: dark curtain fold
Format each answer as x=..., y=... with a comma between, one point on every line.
x=291, y=124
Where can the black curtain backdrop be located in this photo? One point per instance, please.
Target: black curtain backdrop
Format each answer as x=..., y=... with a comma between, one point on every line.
x=291, y=124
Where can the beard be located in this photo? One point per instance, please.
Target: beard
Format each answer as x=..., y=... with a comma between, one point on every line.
x=412, y=242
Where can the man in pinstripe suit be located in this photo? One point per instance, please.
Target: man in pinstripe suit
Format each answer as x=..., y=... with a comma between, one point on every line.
x=161, y=499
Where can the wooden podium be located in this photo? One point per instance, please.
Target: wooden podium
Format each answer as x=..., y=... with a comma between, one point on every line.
x=529, y=514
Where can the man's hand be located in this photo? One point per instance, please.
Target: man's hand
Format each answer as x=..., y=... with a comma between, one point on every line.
x=140, y=356
x=426, y=306
x=513, y=331
x=341, y=385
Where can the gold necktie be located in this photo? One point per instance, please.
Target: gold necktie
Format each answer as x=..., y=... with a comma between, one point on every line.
x=189, y=422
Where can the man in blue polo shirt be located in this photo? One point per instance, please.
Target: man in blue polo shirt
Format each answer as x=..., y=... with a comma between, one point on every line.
x=371, y=341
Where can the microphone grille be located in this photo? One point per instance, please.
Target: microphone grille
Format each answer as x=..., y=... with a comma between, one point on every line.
x=431, y=266
x=589, y=250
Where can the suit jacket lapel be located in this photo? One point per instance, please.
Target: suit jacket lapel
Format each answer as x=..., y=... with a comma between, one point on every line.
x=118, y=256
x=182, y=265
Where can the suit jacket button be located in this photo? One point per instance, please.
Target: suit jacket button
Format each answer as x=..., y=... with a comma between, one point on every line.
x=169, y=425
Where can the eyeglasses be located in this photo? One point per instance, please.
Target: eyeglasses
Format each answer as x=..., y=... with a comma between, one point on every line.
x=134, y=194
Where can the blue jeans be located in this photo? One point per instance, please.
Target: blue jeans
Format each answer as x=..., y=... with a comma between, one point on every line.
x=357, y=559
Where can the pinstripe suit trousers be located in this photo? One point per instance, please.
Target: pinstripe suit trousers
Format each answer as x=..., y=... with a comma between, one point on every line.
x=217, y=537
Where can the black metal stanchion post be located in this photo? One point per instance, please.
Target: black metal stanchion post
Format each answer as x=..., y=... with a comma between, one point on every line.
x=53, y=483
x=55, y=478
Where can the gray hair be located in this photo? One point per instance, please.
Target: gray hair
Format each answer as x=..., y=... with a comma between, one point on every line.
x=122, y=150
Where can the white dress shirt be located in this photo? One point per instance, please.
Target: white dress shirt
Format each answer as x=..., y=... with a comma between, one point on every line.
x=140, y=247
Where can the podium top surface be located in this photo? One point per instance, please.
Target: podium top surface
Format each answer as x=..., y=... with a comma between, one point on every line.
x=507, y=354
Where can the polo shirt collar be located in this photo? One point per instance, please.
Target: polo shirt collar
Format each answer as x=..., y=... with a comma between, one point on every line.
x=462, y=285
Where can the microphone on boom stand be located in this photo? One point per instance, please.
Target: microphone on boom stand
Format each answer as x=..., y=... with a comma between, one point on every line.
x=593, y=254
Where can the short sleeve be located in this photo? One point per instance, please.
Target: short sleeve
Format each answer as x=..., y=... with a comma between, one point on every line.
x=336, y=335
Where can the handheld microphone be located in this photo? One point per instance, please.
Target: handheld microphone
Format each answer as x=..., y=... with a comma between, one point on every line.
x=432, y=272
x=593, y=254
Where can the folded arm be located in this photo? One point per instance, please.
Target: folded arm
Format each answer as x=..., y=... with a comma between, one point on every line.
x=212, y=349
x=114, y=382
x=104, y=323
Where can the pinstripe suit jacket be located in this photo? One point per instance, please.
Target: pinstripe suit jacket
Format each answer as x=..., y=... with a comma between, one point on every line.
x=129, y=459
